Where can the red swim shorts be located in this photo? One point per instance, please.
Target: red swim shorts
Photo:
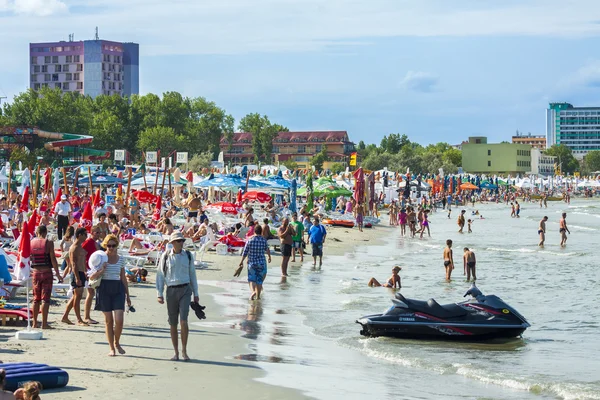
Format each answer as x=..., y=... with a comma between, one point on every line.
x=42, y=285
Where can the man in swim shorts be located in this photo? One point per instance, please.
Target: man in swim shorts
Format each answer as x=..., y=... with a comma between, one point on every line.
x=469, y=262
x=542, y=231
x=448, y=259
x=461, y=221
x=563, y=229
x=317, y=235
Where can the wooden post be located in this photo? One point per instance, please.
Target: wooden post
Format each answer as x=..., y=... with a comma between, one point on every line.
x=162, y=187
x=156, y=181
x=37, y=182
x=128, y=187
x=64, y=174
x=170, y=192
x=9, y=191
x=75, y=180
x=90, y=181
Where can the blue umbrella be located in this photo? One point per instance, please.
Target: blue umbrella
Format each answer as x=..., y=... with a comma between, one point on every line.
x=278, y=181
x=230, y=181
x=293, y=191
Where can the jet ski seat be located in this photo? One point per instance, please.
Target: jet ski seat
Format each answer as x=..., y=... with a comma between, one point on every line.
x=432, y=307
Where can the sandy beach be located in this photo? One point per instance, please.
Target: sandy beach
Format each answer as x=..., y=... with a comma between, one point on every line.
x=146, y=371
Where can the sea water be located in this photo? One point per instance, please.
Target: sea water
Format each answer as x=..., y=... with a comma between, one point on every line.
x=303, y=332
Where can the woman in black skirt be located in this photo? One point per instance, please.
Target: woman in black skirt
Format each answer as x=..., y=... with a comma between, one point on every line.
x=112, y=293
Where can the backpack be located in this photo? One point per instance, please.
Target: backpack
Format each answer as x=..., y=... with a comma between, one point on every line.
x=163, y=261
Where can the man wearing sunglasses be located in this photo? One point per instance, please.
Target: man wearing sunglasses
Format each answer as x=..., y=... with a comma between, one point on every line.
x=176, y=270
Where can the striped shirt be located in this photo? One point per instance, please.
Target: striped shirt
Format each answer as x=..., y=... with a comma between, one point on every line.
x=113, y=271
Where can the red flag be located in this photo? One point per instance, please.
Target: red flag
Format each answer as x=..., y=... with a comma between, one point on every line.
x=86, y=217
x=189, y=176
x=120, y=175
x=33, y=222
x=23, y=265
x=2, y=229
x=25, y=201
x=239, y=197
x=156, y=215
x=97, y=199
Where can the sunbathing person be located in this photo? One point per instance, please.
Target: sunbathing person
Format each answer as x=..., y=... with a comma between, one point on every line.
x=133, y=274
x=139, y=248
x=391, y=282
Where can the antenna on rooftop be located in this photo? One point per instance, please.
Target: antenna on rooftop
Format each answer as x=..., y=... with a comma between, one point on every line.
x=97, y=37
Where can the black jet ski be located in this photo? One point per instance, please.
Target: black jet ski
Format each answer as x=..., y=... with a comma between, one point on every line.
x=480, y=318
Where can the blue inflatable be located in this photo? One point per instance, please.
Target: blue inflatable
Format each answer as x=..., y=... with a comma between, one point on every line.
x=19, y=373
x=4, y=274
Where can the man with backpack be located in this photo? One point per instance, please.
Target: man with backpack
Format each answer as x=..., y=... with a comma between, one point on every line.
x=177, y=272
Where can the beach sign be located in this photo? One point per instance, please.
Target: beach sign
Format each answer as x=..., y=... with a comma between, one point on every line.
x=182, y=157
x=151, y=157
x=119, y=155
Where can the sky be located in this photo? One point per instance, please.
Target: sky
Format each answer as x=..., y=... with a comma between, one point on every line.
x=435, y=70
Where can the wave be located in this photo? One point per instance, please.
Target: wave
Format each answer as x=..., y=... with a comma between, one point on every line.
x=583, y=228
x=539, y=385
x=521, y=250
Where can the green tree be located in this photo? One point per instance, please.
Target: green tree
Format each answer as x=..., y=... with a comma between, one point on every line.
x=565, y=158
x=337, y=167
x=161, y=138
x=320, y=158
x=592, y=161
x=394, y=142
x=290, y=164
x=263, y=132
x=24, y=155
x=200, y=161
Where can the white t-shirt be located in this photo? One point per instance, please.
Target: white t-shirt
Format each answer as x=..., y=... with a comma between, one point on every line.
x=63, y=208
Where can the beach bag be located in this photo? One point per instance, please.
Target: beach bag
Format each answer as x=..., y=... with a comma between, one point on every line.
x=97, y=259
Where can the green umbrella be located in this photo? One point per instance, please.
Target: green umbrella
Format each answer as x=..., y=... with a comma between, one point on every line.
x=331, y=190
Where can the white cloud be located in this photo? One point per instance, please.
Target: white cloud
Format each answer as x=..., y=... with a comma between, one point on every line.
x=242, y=26
x=420, y=81
x=39, y=8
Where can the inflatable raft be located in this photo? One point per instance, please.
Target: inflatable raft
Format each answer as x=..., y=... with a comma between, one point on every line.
x=19, y=373
x=338, y=222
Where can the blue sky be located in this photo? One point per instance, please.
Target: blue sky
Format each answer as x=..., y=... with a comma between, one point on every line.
x=436, y=70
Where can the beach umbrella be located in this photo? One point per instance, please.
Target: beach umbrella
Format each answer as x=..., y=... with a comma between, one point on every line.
x=331, y=190
x=86, y=217
x=293, y=191
x=143, y=196
x=371, y=189
x=56, y=181
x=310, y=197
x=33, y=222
x=22, y=269
x=25, y=201
x=157, y=209
x=56, y=199
x=223, y=207
x=468, y=186
x=487, y=185
x=25, y=181
x=253, y=195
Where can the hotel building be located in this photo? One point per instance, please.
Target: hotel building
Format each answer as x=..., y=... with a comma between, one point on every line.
x=90, y=67
x=299, y=147
x=576, y=127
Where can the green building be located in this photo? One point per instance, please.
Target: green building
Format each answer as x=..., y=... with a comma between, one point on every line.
x=481, y=157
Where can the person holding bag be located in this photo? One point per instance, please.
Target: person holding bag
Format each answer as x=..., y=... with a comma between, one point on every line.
x=176, y=271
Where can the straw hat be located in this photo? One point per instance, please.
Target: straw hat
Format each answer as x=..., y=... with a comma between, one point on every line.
x=175, y=236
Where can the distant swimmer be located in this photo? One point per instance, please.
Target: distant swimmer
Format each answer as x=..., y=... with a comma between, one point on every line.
x=563, y=229
x=469, y=262
x=513, y=212
x=545, y=200
x=542, y=231
x=392, y=281
x=517, y=208
x=469, y=222
x=448, y=259
x=461, y=221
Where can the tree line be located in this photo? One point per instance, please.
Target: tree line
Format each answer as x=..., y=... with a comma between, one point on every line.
x=140, y=123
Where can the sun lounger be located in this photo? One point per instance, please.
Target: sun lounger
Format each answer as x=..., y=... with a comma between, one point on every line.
x=12, y=314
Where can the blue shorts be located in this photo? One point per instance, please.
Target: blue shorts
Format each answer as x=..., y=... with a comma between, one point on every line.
x=257, y=273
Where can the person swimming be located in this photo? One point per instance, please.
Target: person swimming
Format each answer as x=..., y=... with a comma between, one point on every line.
x=391, y=282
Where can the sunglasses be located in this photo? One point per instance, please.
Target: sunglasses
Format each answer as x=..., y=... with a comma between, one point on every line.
x=111, y=246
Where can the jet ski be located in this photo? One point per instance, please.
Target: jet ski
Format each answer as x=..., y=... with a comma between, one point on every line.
x=479, y=318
